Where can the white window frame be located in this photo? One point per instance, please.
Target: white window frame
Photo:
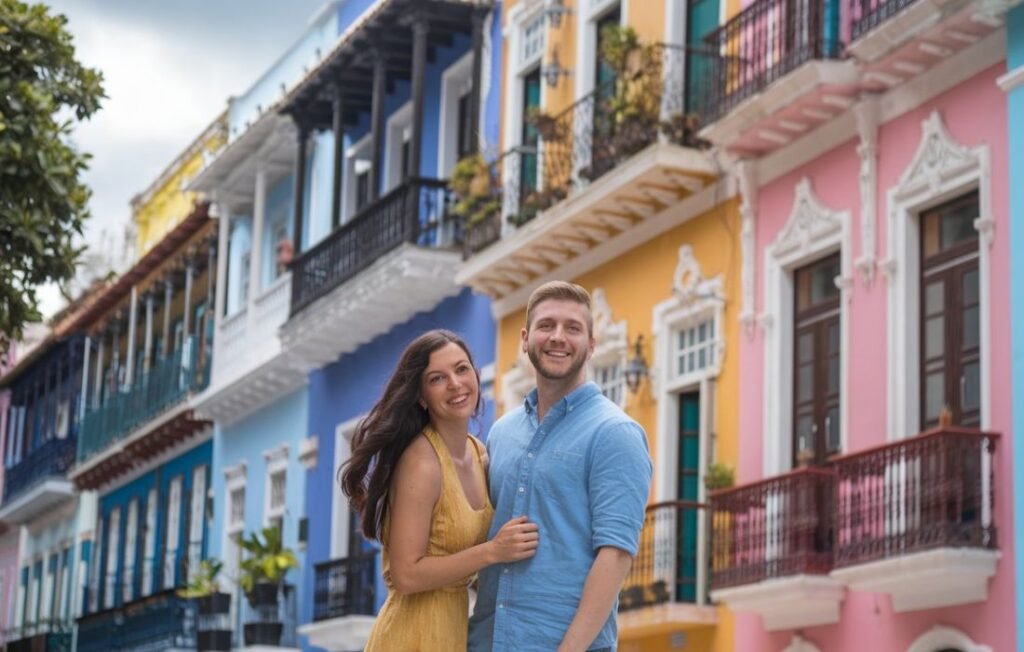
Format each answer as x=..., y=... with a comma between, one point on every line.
x=277, y=463
x=113, y=545
x=197, y=520
x=149, y=541
x=519, y=17
x=49, y=585
x=456, y=80
x=35, y=586
x=235, y=481
x=940, y=170
x=591, y=11
x=130, y=548
x=941, y=636
x=362, y=149
x=340, y=510
x=812, y=232
x=173, y=534
x=611, y=344
x=397, y=133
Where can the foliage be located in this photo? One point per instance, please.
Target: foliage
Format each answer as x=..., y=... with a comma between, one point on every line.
x=472, y=184
x=204, y=581
x=718, y=476
x=268, y=560
x=43, y=202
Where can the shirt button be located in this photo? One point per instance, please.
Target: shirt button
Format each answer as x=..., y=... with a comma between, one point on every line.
x=530, y=455
x=521, y=489
x=501, y=605
x=505, y=571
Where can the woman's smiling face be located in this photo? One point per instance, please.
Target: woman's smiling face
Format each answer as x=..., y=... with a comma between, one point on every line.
x=449, y=388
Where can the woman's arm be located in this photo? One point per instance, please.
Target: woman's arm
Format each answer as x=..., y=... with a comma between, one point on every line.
x=415, y=490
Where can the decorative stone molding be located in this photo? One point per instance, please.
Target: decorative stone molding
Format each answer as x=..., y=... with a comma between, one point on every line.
x=809, y=222
x=746, y=174
x=801, y=644
x=610, y=336
x=276, y=457
x=787, y=603
x=308, y=450
x=867, y=113
x=941, y=637
x=236, y=473
x=938, y=158
x=517, y=382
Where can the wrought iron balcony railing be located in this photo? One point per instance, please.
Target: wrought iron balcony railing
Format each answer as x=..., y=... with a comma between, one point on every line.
x=764, y=42
x=672, y=564
x=664, y=98
x=416, y=212
x=123, y=586
x=345, y=587
x=43, y=636
x=930, y=491
x=157, y=622
x=166, y=384
x=866, y=15
x=50, y=460
x=773, y=528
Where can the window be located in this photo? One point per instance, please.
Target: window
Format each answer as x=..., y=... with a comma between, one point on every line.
x=276, y=506
x=464, y=139
x=236, y=517
x=694, y=347
x=610, y=379
x=528, y=180
x=816, y=362
x=113, y=548
x=533, y=40
x=196, y=519
x=950, y=309
x=149, y=544
x=362, y=168
x=130, y=549
x=173, y=533
x=243, y=278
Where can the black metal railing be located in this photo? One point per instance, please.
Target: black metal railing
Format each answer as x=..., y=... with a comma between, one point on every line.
x=284, y=612
x=416, y=212
x=43, y=636
x=671, y=564
x=119, y=587
x=866, y=15
x=345, y=587
x=764, y=42
x=52, y=459
x=157, y=622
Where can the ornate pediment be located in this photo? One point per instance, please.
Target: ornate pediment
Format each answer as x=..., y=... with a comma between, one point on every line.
x=609, y=335
x=810, y=221
x=937, y=159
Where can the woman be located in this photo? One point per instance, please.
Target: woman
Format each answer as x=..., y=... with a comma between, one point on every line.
x=418, y=481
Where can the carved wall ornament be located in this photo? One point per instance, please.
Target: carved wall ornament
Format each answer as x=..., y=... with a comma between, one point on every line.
x=809, y=222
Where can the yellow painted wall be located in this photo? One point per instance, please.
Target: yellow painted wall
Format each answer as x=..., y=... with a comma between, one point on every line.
x=634, y=283
x=164, y=205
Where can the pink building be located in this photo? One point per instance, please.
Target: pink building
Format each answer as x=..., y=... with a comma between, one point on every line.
x=874, y=505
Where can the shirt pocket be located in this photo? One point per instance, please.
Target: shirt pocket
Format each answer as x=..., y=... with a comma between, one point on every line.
x=562, y=471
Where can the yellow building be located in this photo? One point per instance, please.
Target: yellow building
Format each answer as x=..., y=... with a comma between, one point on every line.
x=166, y=202
x=604, y=182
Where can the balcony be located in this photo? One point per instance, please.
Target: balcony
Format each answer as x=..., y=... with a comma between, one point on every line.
x=38, y=483
x=157, y=622
x=250, y=367
x=49, y=636
x=150, y=417
x=557, y=201
x=394, y=258
x=772, y=549
x=344, y=601
x=778, y=74
x=914, y=519
x=667, y=586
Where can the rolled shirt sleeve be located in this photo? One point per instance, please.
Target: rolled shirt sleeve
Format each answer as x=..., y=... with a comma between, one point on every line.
x=619, y=482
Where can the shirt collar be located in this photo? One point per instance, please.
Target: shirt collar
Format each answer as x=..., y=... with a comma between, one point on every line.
x=574, y=398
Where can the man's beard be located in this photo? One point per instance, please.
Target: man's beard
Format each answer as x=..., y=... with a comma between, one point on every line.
x=571, y=372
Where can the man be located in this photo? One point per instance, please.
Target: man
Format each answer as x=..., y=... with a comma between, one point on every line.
x=573, y=463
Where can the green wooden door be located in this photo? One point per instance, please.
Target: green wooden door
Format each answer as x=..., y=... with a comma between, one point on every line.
x=530, y=137
x=701, y=20
x=689, y=479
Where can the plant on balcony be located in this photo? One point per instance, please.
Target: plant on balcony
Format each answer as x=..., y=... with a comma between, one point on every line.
x=472, y=184
x=203, y=582
x=535, y=202
x=213, y=631
x=718, y=476
x=263, y=572
x=682, y=128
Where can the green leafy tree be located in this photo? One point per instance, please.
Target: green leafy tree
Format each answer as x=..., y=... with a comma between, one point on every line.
x=44, y=90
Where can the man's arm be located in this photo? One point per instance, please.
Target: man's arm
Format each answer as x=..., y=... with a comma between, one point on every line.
x=604, y=580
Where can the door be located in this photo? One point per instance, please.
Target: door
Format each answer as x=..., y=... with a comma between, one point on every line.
x=688, y=490
x=603, y=150
x=530, y=138
x=701, y=19
x=816, y=362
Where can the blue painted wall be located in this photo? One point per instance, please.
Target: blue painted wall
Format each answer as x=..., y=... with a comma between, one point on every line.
x=138, y=489
x=283, y=422
x=1015, y=61
x=350, y=386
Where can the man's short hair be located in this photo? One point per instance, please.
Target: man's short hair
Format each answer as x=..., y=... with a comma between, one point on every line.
x=561, y=290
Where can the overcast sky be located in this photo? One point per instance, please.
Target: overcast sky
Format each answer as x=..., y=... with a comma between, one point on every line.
x=169, y=68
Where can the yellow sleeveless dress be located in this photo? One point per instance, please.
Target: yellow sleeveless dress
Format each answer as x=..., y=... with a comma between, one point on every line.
x=436, y=621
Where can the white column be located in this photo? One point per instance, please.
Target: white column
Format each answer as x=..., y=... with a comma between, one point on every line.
x=98, y=390
x=147, y=353
x=133, y=316
x=84, y=399
x=185, y=318
x=223, y=251
x=256, y=253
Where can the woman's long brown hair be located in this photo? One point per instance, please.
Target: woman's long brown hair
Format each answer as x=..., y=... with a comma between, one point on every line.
x=389, y=428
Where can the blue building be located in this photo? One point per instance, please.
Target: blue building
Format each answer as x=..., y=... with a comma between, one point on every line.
x=397, y=101
x=42, y=429
x=1013, y=84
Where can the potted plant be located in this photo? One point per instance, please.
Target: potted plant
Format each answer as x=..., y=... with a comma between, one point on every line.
x=718, y=476
x=213, y=631
x=472, y=184
x=263, y=572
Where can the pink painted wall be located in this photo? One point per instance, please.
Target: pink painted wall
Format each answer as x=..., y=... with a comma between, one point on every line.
x=974, y=113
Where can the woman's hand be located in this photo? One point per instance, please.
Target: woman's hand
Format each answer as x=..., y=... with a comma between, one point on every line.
x=515, y=541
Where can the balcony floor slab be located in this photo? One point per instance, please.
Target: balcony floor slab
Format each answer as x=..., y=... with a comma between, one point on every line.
x=788, y=602
x=339, y=634
x=926, y=580
x=661, y=618
x=406, y=281
x=230, y=400
x=41, y=498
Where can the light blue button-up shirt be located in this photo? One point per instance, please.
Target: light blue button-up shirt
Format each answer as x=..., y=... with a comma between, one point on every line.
x=583, y=476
